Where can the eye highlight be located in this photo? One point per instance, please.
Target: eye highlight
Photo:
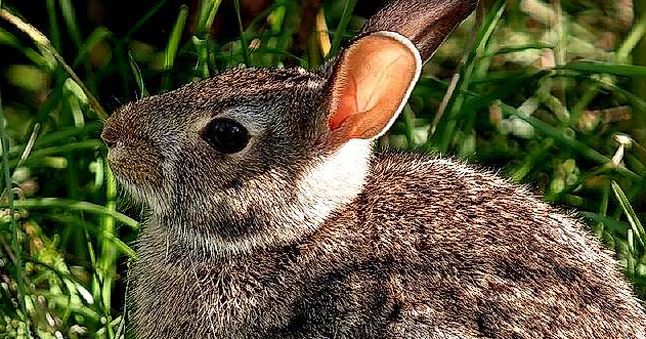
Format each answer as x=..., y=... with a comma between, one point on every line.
x=226, y=135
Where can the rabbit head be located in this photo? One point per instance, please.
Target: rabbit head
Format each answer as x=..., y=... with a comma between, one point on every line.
x=255, y=157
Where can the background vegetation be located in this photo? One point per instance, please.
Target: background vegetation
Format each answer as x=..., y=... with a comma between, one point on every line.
x=551, y=92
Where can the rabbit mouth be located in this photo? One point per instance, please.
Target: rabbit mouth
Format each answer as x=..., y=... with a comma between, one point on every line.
x=138, y=190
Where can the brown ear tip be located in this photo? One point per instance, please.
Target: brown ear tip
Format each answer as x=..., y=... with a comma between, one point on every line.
x=464, y=7
x=471, y=5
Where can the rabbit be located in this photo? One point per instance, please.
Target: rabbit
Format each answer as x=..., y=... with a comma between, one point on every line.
x=271, y=216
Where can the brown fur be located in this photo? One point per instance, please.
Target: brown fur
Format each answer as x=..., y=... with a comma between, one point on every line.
x=294, y=238
x=432, y=248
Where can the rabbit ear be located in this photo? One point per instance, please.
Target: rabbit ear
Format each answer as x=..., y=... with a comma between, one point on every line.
x=370, y=85
x=426, y=23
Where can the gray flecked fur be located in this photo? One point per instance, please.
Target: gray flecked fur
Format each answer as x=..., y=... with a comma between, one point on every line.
x=261, y=244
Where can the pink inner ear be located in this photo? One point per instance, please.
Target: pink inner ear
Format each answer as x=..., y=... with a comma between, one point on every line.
x=347, y=104
x=370, y=83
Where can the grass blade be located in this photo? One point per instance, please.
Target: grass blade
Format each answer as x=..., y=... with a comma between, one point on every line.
x=597, y=67
x=143, y=92
x=108, y=261
x=633, y=220
x=442, y=132
x=8, y=193
x=340, y=29
x=173, y=45
x=73, y=205
x=243, y=39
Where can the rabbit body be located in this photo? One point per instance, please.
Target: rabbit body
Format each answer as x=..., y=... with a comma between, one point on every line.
x=430, y=248
x=271, y=218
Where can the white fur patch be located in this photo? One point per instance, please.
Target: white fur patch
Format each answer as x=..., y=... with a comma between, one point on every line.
x=336, y=180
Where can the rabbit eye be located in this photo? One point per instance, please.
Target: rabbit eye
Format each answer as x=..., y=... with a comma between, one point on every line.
x=226, y=135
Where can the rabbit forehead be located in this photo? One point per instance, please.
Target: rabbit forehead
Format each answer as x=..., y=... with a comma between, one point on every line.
x=254, y=97
x=241, y=84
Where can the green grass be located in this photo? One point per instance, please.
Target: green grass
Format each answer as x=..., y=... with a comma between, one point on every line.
x=549, y=95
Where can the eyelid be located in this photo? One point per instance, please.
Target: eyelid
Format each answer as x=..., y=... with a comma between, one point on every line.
x=246, y=116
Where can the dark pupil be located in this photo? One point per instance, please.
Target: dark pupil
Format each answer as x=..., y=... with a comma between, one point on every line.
x=226, y=135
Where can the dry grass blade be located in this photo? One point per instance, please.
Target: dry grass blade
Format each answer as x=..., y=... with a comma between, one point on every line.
x=41, y=40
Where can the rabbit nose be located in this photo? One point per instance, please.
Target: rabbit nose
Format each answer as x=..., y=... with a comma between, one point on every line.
x=110, y=136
